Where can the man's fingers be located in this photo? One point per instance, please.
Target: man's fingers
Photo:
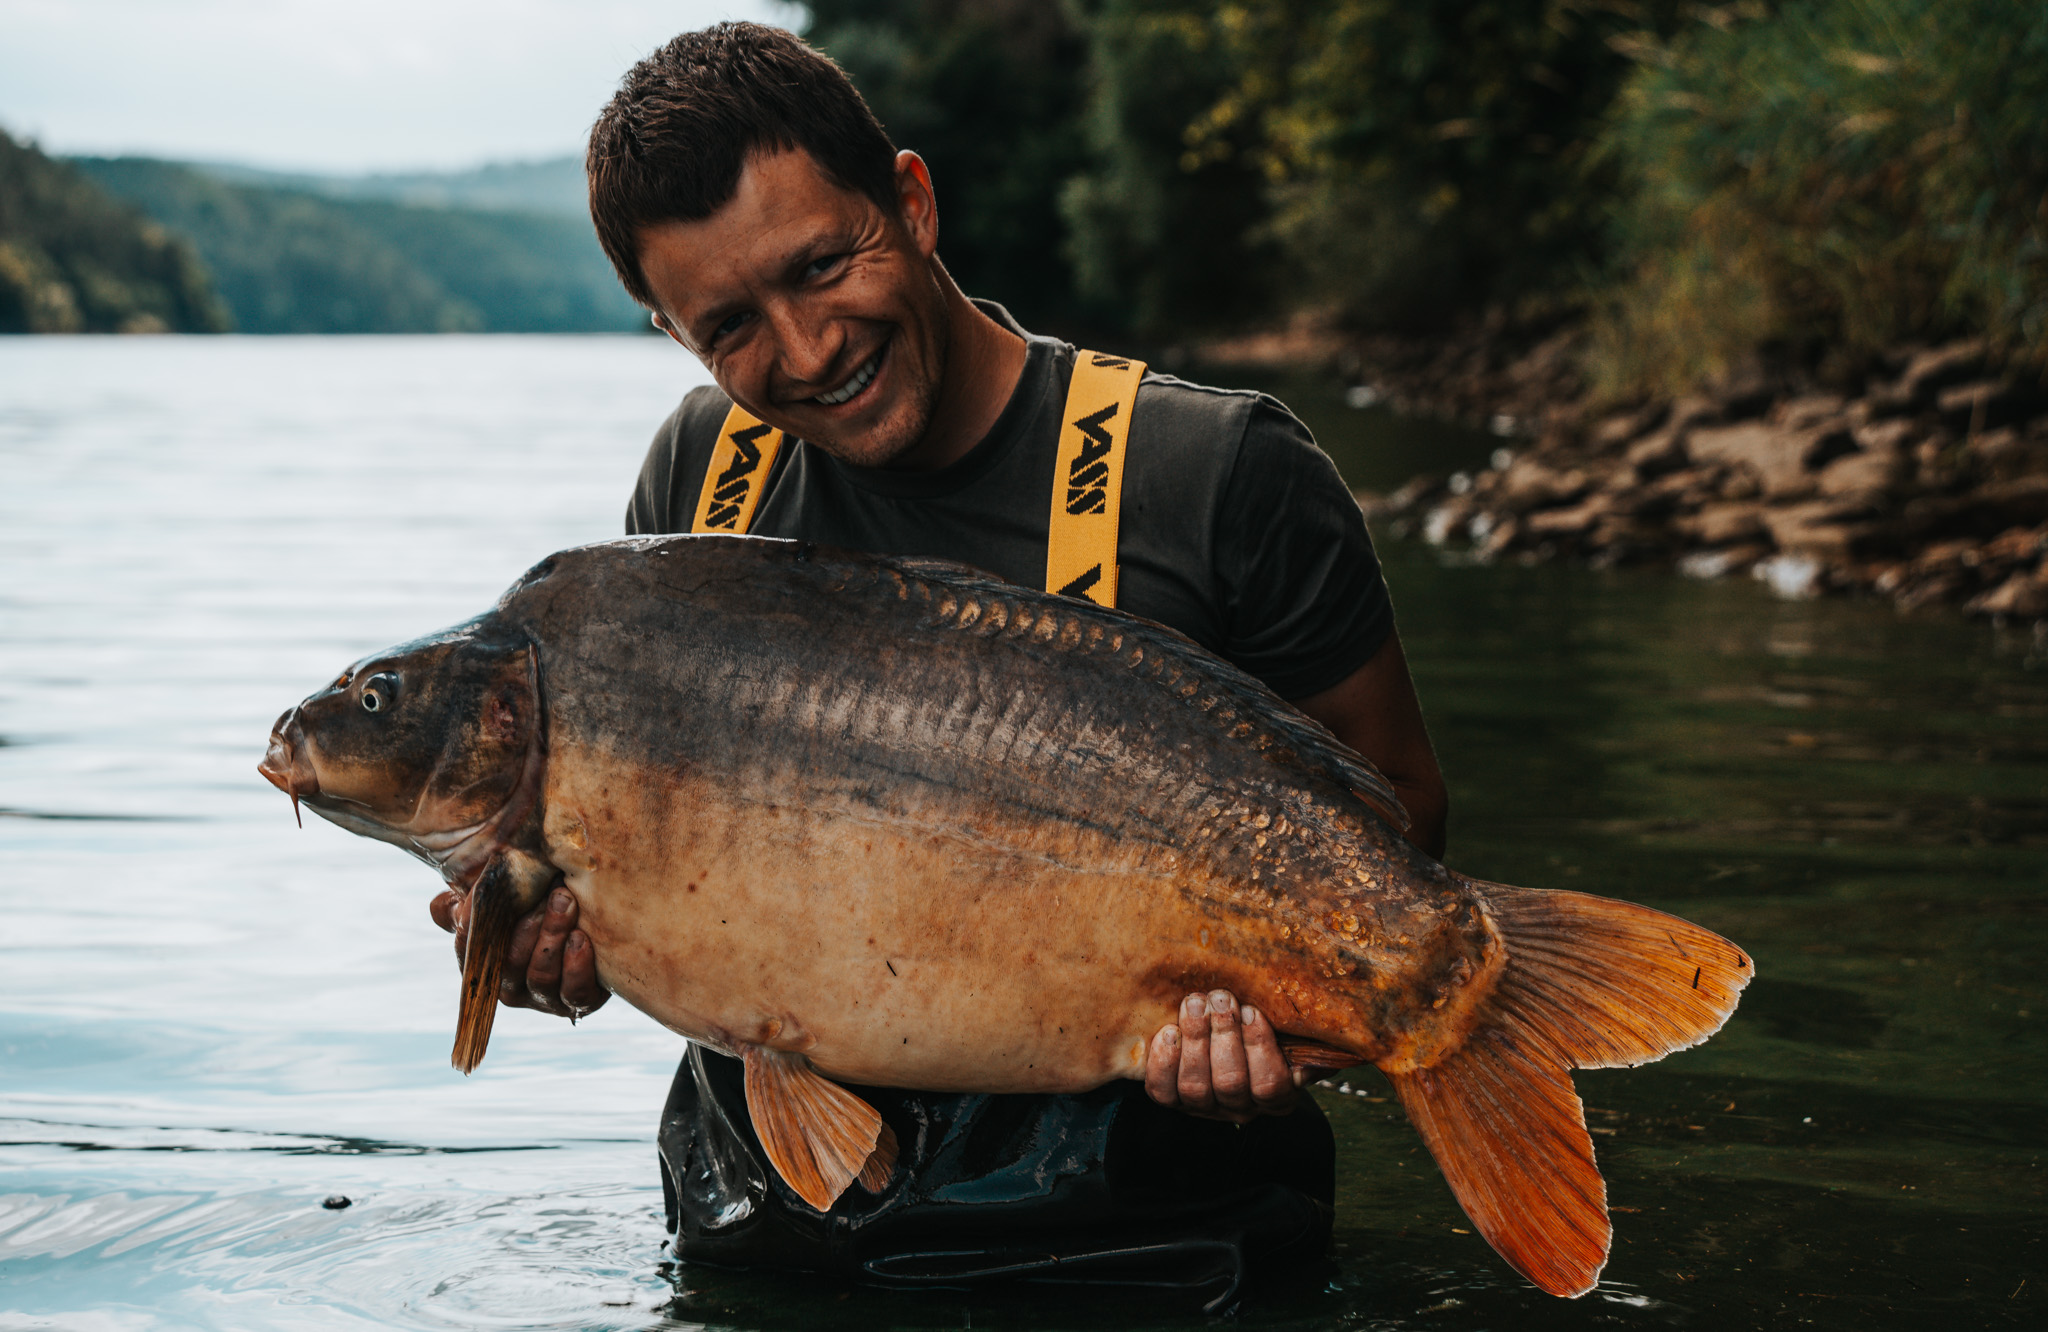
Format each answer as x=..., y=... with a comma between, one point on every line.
x=1229, y=1078
x=581, y=991
x=518, y=952
x=544, y=971
x=442, y=909
x=1192, y=1077
x=1162, y=1066
x=1273, y=1085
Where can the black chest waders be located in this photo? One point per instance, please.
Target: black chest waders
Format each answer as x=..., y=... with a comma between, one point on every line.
x=1104, y=1189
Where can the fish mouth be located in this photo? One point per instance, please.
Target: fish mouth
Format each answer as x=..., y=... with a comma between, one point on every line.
x=286, y=765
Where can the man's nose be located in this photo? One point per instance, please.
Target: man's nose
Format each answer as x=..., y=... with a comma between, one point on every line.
x=807, y=352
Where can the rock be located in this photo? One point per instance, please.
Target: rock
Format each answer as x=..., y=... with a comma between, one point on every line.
x=1659, y=453
x=1929, y=372
x=1725, y=524
x=2019, y=545
x=2006, y=454
x=1793, y=577
x=1779, y=457
x=1693, y=410
x=1863, y=475
x=1612, y=432
x=1808, y=409
x=1446, y=519
x=1501, y=536
x=1988, y=509
x=1710, y=564
x=1408, y=497
x=1889, y=436
x=2023, y=596
x=1569, y=522
x=1532, y=484
x=1817, y=528
x=1981, y=405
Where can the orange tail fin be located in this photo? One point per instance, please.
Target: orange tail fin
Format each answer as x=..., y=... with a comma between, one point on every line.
x=1588, y=983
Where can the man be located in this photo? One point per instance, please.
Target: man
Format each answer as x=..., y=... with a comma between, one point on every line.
x=749, y=199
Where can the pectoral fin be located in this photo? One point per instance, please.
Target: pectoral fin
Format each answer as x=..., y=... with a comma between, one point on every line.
x=819, y=1136
x=492, y=916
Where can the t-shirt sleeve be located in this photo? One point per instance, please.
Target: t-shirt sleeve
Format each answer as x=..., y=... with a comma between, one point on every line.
x=664, y=498
x=1304, y=601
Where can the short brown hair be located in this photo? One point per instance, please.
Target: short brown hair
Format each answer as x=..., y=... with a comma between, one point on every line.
x=670, y=145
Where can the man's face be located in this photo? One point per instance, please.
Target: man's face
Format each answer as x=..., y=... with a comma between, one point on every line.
x=813, y=309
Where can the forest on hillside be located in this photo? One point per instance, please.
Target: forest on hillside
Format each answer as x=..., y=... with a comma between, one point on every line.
x=299, y=261
x=73, y=260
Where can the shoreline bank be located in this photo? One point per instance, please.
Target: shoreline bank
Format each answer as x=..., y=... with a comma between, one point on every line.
x=1923, y=480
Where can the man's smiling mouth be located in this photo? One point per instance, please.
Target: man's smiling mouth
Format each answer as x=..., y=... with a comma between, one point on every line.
x=851, y=389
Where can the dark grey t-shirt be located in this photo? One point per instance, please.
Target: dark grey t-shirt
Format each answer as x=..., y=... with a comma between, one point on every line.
x=1236, y=528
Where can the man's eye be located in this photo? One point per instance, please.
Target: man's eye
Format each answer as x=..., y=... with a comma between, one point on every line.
x=820, y=267
x=731, y=325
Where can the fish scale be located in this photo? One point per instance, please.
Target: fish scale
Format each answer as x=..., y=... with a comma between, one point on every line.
x=893, y=822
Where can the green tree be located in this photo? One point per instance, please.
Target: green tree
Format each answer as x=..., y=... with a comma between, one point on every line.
x=1165, y=225
x=73, y=260
x=988, y=92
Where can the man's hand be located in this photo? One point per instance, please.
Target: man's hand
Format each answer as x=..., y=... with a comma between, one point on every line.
x=1221, y=1061
x=549, y=965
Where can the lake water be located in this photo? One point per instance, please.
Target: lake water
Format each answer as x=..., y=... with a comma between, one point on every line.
x=210, y=1020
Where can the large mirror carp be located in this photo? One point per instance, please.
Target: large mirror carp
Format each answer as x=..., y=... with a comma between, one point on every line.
x=895, y=822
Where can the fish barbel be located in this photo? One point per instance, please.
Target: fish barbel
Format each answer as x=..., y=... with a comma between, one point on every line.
x=895, y=822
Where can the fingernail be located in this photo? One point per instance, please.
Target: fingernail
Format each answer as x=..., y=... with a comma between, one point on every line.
x=1221, y=1002
x=1247, y=1015
x=1172, y=1035
x=558, y=902
x=1192, y=1006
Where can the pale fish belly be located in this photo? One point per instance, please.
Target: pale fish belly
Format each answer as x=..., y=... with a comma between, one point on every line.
x=913, y=948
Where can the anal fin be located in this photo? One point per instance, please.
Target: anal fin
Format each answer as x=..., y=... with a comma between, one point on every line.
x=881, y=1163
x=1303, y=1053
x=819, y=1136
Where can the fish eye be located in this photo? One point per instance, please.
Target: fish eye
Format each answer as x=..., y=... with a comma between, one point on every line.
x=380, y=691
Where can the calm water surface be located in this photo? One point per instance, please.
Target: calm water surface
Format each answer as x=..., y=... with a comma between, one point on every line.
x=211, y=1020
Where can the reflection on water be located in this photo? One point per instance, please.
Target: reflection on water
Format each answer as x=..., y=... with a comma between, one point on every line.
x=211, y=1022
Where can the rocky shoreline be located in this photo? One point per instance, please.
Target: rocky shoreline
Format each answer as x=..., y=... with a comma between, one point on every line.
x=1923, y=480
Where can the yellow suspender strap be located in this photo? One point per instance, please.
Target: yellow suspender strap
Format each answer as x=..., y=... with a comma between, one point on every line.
x=740, y=464
x=1088, y=477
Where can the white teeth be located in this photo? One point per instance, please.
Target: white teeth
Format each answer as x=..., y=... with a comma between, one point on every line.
x=852, y=386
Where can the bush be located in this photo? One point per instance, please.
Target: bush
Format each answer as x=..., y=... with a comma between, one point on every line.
x=1826, y=181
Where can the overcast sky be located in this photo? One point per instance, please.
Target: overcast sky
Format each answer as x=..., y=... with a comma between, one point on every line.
x=330, y=85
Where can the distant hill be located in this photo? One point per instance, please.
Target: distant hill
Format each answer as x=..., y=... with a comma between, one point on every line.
x=553, y=187
x=73, y=260
x=296, y=260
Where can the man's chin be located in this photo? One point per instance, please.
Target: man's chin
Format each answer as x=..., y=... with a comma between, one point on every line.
x=883, y=443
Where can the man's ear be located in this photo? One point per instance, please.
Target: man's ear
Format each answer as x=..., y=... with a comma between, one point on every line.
x=660, y=321
x=916, y=202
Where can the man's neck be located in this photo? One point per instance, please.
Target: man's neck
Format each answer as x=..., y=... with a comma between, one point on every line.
x=984, y=361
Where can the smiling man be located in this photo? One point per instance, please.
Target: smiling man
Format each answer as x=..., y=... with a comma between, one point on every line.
x=750, y=200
